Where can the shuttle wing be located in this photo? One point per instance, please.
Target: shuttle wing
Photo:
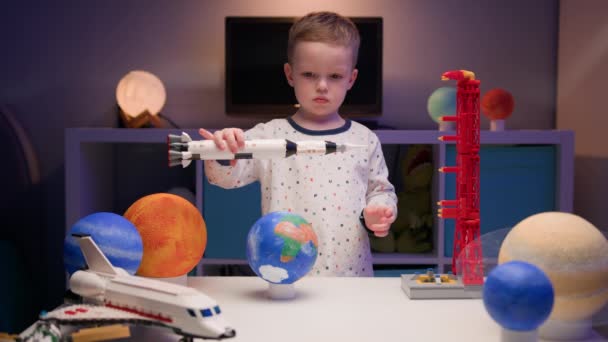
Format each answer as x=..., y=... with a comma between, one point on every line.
x=96, y=260
x=83, y=313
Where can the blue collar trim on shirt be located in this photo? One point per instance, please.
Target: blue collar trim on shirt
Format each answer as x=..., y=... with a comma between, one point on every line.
x=301, y=129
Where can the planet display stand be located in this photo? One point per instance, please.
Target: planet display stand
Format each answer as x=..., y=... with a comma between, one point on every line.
x=447, y=126
x=281, y=291
x=497, y=125
x=562, y=330
x=507, y=335
x=437, y=286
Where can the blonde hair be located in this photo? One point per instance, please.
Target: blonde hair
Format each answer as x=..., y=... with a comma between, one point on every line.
x=324, y=27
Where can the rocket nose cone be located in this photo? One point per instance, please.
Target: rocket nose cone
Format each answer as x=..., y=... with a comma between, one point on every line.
x=228, y=333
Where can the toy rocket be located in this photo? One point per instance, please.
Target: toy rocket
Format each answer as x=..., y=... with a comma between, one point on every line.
x=183, y=150
x=467, y=256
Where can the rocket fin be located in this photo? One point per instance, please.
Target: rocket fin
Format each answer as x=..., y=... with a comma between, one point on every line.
x=185, y=137
x=96, y=260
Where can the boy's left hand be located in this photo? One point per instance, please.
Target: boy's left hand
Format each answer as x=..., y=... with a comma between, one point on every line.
x=378, y=219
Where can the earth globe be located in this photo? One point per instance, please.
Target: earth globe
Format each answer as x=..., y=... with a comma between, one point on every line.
x=116, y=236
x=442, y=102
x=281, y=248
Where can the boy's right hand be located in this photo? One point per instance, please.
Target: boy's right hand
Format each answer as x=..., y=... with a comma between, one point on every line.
x=231, y=138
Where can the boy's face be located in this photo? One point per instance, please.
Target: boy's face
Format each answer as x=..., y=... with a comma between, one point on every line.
x=320, y=74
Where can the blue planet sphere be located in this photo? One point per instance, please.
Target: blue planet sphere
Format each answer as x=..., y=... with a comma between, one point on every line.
x=442, y=102
x=518, y=296
x=116, y=236
x=281, y=247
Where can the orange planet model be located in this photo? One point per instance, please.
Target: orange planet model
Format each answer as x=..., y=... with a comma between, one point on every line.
x=173, y=233
x=497, y=104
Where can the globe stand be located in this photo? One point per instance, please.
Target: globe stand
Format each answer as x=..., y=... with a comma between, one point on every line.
x=281, y=291
x=497, y=125
x=562, y=330
x=507, y=335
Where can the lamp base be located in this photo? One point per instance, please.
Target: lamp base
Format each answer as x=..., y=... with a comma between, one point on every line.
x=141, y=120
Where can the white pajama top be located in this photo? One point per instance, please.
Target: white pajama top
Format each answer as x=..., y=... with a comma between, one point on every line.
x=329, y=191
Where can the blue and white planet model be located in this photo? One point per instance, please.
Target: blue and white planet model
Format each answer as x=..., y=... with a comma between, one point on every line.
x=116, y=236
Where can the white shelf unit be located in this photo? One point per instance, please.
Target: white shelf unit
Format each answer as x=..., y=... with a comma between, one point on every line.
x=90, y=181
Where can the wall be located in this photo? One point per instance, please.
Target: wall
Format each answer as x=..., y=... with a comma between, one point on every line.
x=581, y=100
x=61, y=62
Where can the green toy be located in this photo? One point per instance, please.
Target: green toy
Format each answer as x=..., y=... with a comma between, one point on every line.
x=412, y=230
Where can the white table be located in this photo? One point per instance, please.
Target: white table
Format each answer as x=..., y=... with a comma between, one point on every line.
x=342, y=309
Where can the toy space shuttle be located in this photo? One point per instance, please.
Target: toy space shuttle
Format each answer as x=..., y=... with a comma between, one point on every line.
x=118, y=296
x=183, y=150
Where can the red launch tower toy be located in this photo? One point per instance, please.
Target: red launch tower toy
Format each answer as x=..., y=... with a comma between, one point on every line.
x=467, y=258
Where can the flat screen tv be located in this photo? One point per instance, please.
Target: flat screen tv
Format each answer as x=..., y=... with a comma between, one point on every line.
x=256, y=49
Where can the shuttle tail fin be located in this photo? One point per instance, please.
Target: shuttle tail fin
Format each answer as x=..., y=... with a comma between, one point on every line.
x=96, y=260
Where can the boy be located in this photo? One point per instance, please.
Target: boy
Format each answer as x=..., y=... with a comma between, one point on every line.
x=340, y=194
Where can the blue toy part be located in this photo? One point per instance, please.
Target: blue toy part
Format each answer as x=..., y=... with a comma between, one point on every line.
x=518, y=296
